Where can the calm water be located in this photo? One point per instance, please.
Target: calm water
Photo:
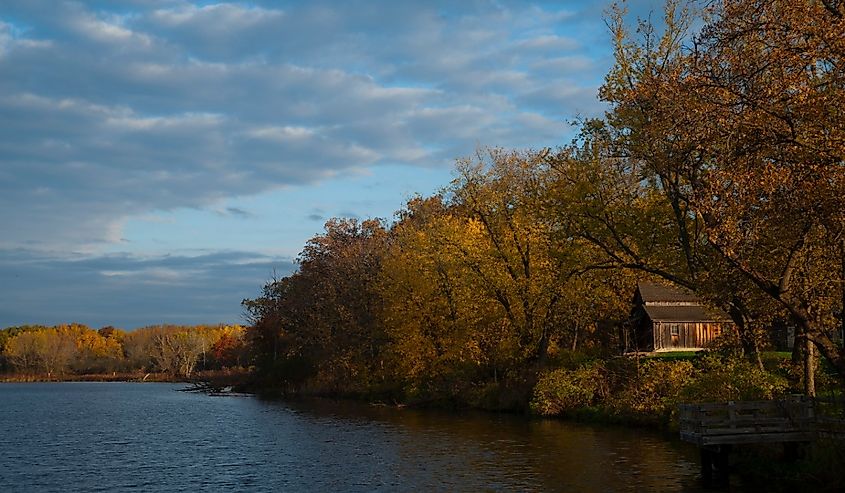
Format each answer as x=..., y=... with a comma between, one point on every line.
x=148, y=437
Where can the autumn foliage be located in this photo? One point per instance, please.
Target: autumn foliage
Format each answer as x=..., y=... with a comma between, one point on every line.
x=75, y=349
x=718, y=167
x=742, y=123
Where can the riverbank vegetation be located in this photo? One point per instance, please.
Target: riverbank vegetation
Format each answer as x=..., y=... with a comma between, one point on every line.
x=718, y=168
x=156, y=353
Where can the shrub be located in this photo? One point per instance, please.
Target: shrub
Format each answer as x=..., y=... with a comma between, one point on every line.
x=563, y=391
x=725, y=378
x=654, y=390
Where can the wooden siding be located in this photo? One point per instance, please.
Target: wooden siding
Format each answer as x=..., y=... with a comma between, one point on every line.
x=679, y=335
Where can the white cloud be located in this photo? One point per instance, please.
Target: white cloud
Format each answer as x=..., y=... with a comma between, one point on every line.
x=113, y=111
x=108, y=30
x=219, y=17
x=284, y=134
x=5, y=37
x=549, y=43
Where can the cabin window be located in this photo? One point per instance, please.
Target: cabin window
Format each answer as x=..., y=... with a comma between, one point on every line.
x=675, y=330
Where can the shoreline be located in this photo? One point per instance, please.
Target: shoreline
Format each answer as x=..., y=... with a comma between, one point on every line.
x=96, y=377
x=211, y=378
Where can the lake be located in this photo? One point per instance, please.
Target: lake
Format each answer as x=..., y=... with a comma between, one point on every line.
x=149, y=437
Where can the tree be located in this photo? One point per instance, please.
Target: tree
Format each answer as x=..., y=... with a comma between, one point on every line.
x=23, y=351
x=509, y=249
x=444, y=332
x=49, y=350
x=228, y=348
x=746, y=122
x=176, y=350
x=6, y=335
x=323, y=318
x=624, y=217
x=95, y=353
x=138, y=349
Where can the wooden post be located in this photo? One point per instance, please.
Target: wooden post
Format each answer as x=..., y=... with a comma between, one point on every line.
x=790, y=451
x=706, y=466
x=715, y=465
x=723, y=469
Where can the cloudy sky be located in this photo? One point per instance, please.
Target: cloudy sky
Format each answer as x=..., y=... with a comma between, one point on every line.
x=161, y=159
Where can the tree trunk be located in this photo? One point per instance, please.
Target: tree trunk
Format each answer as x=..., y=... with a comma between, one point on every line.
x=797, y=349
x=759, y=359
x=543, y=347
x=809, y=368
x=842, y=288
x=747, y=338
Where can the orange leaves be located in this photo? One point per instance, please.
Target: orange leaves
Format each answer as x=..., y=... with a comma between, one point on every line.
x=745, y=125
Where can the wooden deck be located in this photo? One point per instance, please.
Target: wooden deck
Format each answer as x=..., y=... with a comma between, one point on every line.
x=717, y=427
x=739, y=422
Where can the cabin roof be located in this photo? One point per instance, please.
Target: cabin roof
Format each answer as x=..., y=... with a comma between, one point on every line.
x=684, y=313
x=662, y=293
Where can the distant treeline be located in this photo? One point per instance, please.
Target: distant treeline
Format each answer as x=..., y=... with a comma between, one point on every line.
x=718, y=168
x=77, y=349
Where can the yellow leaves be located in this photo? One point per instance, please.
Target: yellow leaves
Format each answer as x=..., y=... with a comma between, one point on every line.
x=474, y=228
x=49, y=350
x=95, y=345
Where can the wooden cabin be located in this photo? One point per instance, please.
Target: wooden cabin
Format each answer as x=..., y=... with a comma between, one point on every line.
x=667, y=318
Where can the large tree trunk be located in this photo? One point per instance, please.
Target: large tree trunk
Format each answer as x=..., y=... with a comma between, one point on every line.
x=809, y=368
x=747, y=338
x=831, y=352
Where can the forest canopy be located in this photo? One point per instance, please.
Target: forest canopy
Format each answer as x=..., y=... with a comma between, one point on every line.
x=718, y=167
x=75, y=349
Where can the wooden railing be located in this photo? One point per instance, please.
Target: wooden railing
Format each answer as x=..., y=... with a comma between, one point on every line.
x=795, y=419
x=736, y=422
x=830, y=416
x=716, y=427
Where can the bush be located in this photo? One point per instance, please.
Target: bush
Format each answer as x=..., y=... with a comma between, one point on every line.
x=726, y=378
x=649, y=391
x=572, y=360
x=654, y=390
x=511, y=393
x=563, y=391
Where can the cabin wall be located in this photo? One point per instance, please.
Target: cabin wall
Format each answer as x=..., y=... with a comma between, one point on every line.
x=641, y=336
x=645, y=341
x=679, y=335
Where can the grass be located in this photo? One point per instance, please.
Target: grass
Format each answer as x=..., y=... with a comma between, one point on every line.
x=775, y=355
x=675, y=355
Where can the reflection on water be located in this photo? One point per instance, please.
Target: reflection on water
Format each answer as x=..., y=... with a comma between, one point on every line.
x=472, y=451
x=118, y=436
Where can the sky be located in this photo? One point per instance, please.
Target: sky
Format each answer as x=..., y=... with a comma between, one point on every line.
x=160, y=160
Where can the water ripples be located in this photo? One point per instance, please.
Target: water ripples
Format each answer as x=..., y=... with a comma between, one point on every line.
x=148, y=437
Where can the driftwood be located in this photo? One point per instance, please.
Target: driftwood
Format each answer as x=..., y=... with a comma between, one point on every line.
x=213, y=390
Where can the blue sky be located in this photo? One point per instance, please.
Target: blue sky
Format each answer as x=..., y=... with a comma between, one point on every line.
x=161, y=159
